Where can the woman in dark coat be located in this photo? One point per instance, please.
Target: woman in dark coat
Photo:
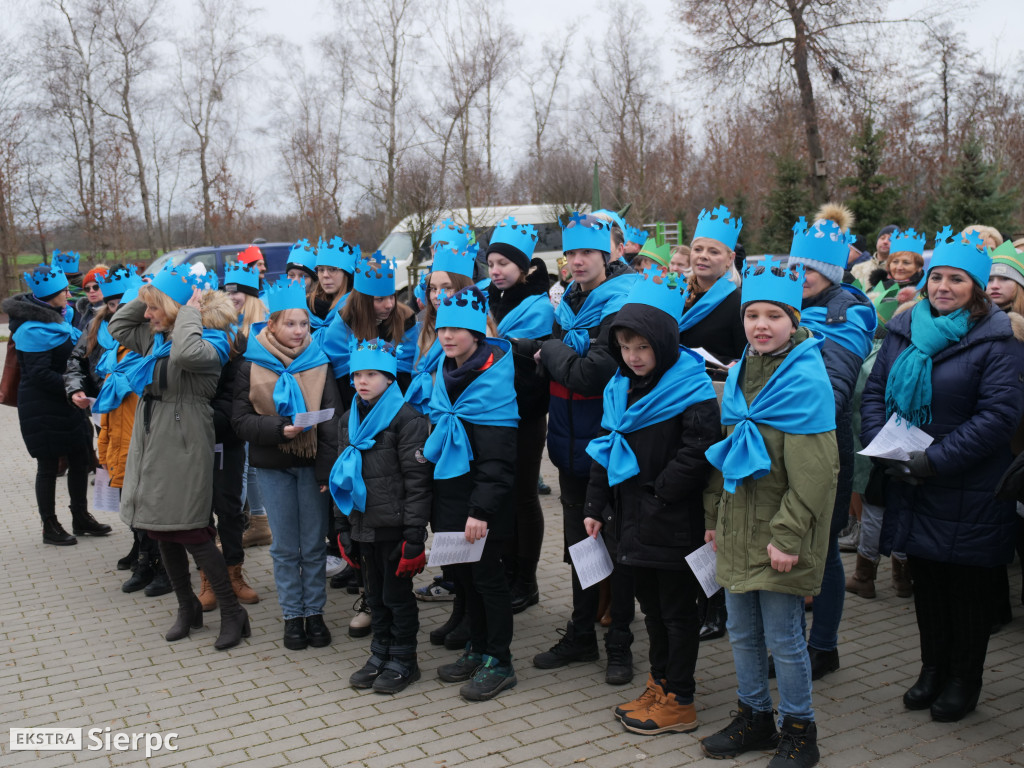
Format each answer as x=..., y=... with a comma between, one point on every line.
x=952, y=367
x=51, y=426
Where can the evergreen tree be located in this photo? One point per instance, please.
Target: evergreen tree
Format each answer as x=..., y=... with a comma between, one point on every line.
x=875, y=197
x=788, y=200
x=974, y=192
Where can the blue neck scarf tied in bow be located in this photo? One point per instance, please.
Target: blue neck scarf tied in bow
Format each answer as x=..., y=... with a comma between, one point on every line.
x=34, y=336
x=422, y=385
x=604, y=300
x=288, y=398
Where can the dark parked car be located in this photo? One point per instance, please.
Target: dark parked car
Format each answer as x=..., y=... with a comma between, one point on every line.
x=215, y=257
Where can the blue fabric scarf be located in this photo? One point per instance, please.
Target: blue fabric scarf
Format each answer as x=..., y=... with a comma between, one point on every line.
x=682, y=385
x=34, y=336
x=707, y=303
x=336, y=342
x=908, y=391
x=531, y=319
x=604, y=300
x=346, y=481
x=854, y=335
x=422, y=385
x=788, y=402
x=490, y=400
x=288, y=399
x=108, y=360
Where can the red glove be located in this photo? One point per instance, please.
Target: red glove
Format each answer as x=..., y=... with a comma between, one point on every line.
x=348, y=550
x=412, y=560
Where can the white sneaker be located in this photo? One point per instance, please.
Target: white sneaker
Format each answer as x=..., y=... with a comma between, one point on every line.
x=335, y=565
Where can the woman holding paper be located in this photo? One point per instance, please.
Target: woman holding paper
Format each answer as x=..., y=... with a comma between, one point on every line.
x=952, y=367
x=285, y=375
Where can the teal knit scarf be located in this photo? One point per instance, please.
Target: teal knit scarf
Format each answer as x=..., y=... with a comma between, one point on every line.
x=908, y=392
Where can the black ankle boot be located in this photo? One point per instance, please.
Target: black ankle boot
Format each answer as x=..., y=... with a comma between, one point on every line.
x=54, y=533
x=459, y=636
x=524, y=590
x=926, y=690
x=714, y=622
x=438, y=635
x=317, y=632
x=798, y=744
x=618, y=647
x=295, y=634
x=142, y=576
x=956, y=700
x=573, y=646
x=128, y=560
x=84, y=524
x=161, y=584
x=748, y=731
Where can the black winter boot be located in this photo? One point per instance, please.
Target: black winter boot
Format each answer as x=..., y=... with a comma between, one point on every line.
x=524, y=590
x=84, y=524
x=234, y=621
x=798, y=745
x=190, y=610
x=714, y=620
x=128, y=560
x=926, y=690
x=748, y=731
x=438, y=635
x=617, y=645
x=573, y=646
x=142, y=576
x=398, y=671
x=370, y=671
x=161, y=583
x=54, y=533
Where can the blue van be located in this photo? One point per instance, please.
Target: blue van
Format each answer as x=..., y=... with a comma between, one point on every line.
x=215, y=257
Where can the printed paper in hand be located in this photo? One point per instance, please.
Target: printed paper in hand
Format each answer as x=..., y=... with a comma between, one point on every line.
x=710, y=358
x=451, y=548
x=105, y=498
x=96, y=416
x=702, y=563
x=896, y=441
x=591, y=560
x=311, y=418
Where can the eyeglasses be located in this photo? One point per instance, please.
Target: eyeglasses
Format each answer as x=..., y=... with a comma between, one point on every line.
x=92, y=287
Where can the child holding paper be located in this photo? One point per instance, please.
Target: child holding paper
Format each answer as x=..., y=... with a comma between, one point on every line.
x=285, y=374
x=767, y=513
x=646, y=486
x=473, y=445
x=381, y=483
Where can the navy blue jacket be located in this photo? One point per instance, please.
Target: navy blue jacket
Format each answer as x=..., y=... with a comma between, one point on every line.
x=977, y=401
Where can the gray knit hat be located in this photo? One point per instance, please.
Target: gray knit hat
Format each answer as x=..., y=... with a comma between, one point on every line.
x=832, y=272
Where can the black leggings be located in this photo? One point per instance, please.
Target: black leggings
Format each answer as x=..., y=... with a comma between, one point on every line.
x=79, y=464
x=529, y=535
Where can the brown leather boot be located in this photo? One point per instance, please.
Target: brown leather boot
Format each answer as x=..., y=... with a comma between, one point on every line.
x=258, y=533
x=206, y=595
x=642, y=701
x=901, y=578
x=665, y=714
x=243, y=591
x=862, y=581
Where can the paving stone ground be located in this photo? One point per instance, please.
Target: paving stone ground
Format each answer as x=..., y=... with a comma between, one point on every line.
x=77, y=652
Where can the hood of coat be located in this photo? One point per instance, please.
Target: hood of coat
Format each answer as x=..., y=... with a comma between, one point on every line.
x=25, y=307
x=536, y=284
x=658, y=327
x=218, y=310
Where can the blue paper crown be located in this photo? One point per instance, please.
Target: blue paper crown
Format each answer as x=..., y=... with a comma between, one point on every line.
x=286, y=293
x=375, y=276
x=244, y=278
x=459, y=262
x=175, y=282
x=454, y=236
x=962, y=251
x=907, y=240
x=822, y=241
x=521, y=236
x=206, y=280
x=636, y=235
x=615, y=218
x=68, y=262
x=586, y=231
x=466, y=309
x=119, y=282
x=761, y=283
x=657, y=290
x=337, y=253
x=719, y=225
x=374, y=355
x=46, y=282
x=303, y=256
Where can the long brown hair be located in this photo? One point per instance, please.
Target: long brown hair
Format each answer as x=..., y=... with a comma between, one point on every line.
x=360, y=316
x=94, y=329
x=319, y=292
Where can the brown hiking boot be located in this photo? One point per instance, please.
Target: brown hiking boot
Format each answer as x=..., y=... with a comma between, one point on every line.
x=258, y=533
x=243, y=591
x=665, y=714
x=862, y=580
x=901, y=578
x=206, y=595
x=642, y=701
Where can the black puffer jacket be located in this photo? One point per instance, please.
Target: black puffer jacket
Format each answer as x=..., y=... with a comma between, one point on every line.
x=80, y=374
x=531, y=384
x=50, y=425
x=265, y=433
x=223, y=403
x=399, y=480
x=656, y=518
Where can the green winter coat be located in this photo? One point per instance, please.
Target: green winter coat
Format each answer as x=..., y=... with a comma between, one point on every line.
x=168, y=481
x=790, y=507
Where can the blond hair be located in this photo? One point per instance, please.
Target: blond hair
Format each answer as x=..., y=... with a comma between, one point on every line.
x=985, y=233
x=215, y=308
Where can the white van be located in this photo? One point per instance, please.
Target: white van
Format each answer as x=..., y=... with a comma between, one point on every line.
x=398, y=244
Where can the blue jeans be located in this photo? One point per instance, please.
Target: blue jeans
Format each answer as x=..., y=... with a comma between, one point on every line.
x=759, y=618
x=297, y=513
x=251, y=488
x=871, y=532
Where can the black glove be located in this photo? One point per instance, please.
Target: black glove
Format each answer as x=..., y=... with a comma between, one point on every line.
x=349, y=549
x=918, y=465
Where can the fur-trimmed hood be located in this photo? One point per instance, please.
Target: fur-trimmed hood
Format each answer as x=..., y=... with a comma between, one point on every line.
x=25, y=307
x=1017, y=324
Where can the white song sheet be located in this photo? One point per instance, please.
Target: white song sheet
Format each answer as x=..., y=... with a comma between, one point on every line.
x=311, y=418
x=105, y=498
x=451, y=548
x=702, y=563
x=896, y=441
x=591, y=560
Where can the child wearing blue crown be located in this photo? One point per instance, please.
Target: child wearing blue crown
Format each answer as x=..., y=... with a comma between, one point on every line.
x=767, y=513
x=286, y=373
x=473, y=447
x=660, y=416
x=382, y=485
